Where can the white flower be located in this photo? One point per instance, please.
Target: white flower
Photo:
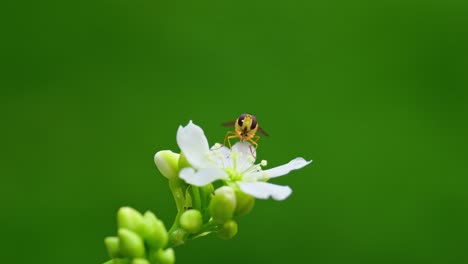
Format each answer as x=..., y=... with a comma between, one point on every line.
x=236, y=165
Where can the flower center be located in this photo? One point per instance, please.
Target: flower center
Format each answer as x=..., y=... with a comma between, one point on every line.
x=233, y=174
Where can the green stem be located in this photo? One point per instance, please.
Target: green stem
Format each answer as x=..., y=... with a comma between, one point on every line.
x=176, y=234
x=206, y=229
x=196, y=198
x=208, y=226
x=175, y=225
x=177, y=189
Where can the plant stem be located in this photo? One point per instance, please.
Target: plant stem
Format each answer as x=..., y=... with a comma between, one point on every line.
x=177, y=189
x=196, y=198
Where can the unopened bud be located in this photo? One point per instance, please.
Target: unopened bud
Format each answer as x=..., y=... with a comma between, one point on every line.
x=245, y=203
x=130, y=219
x=112, y=245
x=167, y=163
x=228, y=230
x=191, y=221
x=165, y=256
x=223, y=204
x=153, y=231
x=131, y=245
x=140, y=261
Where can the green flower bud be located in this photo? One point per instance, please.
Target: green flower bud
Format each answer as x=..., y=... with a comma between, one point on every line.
x=191, y=221
x=165, y=256
x=140, y=261
x=131, y=245
x=245, y=203
x=112, y=245
x=223, y=204
x=183, y=162
x=130, y=219
x=153, y=231
x=167, y=163
x=228, y=230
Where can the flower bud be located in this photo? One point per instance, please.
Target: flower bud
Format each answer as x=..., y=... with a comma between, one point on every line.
x=140, y=261
x=153, y=231
x=223, y=204
x=191, y=221
x=167, y=163
x=131, y=245
x=130, y=219
x=228, y=230
x=245, y=203
x=165, y=256
x=112, y=245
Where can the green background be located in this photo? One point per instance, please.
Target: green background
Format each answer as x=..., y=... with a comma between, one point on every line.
x=375, y=92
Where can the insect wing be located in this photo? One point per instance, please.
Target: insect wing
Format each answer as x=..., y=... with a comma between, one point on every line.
x=229, y=124
x=263, y=131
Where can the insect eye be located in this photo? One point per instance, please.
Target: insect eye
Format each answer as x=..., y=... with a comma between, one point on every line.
x=254, y=122
x=240, y=120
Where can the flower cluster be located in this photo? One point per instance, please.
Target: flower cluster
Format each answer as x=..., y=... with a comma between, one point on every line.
x=202, y=208
x=142, y=239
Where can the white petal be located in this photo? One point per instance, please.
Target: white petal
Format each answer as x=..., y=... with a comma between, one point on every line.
x=263, y=190
x=221, y=154
x=294, y=164
x=193, y=143
x=244, y=147
x=246, y=157
x=202, y=177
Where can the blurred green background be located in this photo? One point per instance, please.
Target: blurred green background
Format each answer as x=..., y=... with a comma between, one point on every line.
x=375, y=92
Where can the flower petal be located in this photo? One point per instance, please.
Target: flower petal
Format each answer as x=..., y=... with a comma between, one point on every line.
x=294, y=164
x=221, y=155
x=202, y=177
x=246, y=157
x=263, y=190
x=244, y=147
x=193, y=143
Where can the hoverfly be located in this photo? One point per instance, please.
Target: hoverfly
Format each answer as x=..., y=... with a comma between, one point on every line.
x=245, y=128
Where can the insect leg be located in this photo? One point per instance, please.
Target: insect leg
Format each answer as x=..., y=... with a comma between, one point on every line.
x=257, y=138
x=226, y=137
x=254, y=141
x=254, y=152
